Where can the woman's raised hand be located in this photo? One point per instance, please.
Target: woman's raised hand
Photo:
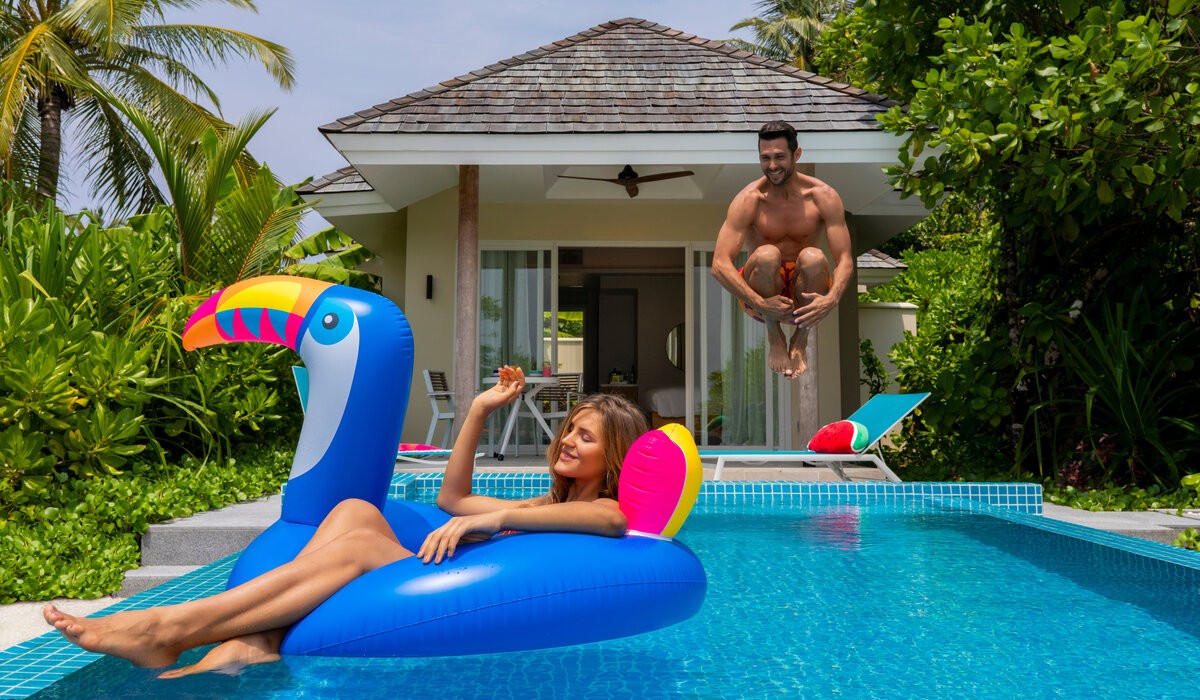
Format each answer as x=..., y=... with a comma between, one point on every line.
x=510, y=386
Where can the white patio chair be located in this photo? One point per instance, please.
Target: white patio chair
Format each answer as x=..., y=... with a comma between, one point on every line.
x=441, y=401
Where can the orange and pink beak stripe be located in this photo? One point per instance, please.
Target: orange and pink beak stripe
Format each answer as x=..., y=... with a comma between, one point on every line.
x=263, y=310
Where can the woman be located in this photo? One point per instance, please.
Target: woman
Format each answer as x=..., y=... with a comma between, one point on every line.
x=251, y=619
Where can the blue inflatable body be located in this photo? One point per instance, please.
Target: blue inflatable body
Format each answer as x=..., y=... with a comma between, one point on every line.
x=513, y=592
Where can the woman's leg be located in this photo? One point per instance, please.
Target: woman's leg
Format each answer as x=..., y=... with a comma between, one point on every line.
x=350, y=543
x=263, y=647
x=235, y=654
x=350, y=514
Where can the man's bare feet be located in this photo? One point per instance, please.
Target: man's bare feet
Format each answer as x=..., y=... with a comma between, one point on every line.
x=136, y=635
x=234, y=655
x=777, y=350
x=797, y=349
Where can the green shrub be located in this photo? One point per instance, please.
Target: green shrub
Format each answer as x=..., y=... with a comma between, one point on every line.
x=1121, y=498
x=958, y=432
x=1188, y=539
x=92, y=372
x=1118, y=388
x=84, y=534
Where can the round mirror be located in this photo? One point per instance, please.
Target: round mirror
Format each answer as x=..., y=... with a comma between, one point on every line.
x=675, y=346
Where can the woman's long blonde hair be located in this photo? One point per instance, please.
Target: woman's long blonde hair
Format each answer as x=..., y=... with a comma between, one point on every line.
x=622, y=423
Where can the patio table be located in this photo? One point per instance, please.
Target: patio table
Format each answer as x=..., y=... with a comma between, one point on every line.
x=533, y=385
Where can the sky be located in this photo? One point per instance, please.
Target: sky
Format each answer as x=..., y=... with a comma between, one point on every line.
x=352, y=54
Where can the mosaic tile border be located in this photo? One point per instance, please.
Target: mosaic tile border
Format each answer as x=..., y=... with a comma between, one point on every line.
x=35, y=664
x=1019, y=497
x=1079, y=538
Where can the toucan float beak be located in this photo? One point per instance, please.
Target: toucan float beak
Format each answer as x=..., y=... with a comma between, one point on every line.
x=262, y=309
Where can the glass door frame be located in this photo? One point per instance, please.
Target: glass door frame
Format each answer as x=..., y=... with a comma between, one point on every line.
x=778, y=410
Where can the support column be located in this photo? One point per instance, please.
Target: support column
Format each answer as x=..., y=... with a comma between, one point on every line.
x=808, y=397
x=466, y=298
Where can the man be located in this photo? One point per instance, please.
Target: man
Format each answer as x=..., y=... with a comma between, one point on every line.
x=780, y=218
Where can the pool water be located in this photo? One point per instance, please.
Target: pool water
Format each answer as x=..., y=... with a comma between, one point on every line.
x=876, y=601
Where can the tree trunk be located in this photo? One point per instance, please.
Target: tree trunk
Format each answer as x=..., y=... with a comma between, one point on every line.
x=50, y=109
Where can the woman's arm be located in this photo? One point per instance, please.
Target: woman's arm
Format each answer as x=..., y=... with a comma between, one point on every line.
x=455, y=495
x=600, y=517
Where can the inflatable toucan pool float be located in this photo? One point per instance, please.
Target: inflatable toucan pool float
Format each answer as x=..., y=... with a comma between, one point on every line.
x=513, y=592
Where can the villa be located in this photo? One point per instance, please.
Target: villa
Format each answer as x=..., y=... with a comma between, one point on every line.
x=499, y=199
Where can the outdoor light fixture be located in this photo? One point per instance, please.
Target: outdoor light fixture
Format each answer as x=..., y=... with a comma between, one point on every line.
x=428, y=286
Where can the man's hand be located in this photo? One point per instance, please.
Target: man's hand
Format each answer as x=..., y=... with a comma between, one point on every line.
x=777, y=308
x=813, y=308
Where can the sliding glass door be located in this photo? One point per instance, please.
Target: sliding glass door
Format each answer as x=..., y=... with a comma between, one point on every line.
x=516, y=295
x=735, y=395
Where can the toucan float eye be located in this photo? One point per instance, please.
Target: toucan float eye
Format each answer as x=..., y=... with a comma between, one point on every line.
x=333, y=321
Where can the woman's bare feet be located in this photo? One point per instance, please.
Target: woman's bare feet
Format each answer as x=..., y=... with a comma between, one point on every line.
x=234, y=655
x=136, y=635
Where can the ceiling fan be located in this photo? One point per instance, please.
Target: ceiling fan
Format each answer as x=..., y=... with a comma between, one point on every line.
x=629, y=179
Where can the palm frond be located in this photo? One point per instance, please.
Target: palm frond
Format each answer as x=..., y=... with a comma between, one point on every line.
x=217, y=45
x=160, y=5
x=116, y=161
x=107, y=23
x=136, y=60
x=253, y=224
x=20, y=163
x=18, y=80
x=163, y=102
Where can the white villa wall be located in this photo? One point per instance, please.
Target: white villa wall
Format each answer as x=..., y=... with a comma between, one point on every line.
x=428, y=237
x=885, y=324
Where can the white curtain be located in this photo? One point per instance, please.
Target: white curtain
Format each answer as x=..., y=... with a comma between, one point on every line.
x=515, y=297
x=733, y=389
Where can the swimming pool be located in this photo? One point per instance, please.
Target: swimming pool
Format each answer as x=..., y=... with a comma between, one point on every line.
x=818, y=591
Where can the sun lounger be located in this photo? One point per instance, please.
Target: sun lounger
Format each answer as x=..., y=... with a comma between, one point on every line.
x=424, y=454
x=879, y=414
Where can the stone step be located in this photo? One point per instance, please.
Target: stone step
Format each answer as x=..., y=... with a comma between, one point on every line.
x=192, y=546
x=207, y=537
x=147, y=577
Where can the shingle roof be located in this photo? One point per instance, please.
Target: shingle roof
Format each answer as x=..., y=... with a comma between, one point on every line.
x=629, y=75
x=875, y=259
x=346, y=179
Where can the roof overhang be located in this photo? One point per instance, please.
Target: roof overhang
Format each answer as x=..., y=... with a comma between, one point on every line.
x=404, y=169
x=602, y=149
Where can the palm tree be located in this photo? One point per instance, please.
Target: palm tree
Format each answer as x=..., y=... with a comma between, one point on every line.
x=787, y=30
x=60, y=56
x=232, y=217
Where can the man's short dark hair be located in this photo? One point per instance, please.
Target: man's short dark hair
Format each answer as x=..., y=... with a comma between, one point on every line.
x=779, y=130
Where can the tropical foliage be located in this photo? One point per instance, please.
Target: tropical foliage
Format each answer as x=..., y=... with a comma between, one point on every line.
x=787, y=30
x=331, y=256
x=82, y=535
x=62, y=59
x=951, y=277
x=92, y=376
x=1078, y=124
